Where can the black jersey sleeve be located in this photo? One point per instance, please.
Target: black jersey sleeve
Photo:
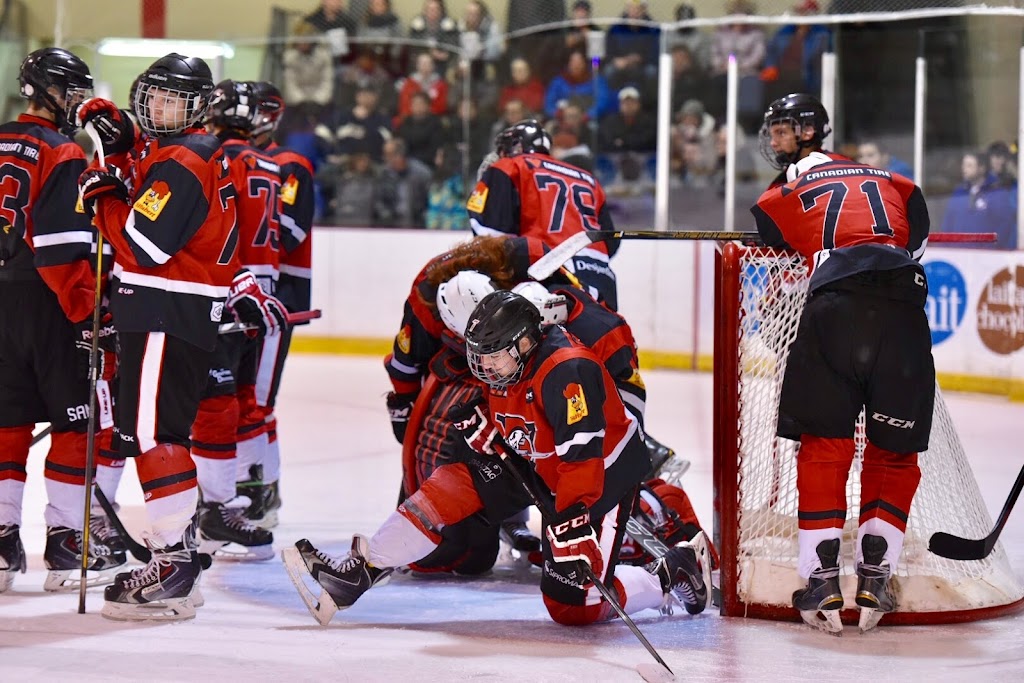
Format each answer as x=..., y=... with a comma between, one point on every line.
x=297, y=205
x=574, y=397
x=920, y=223
x=767, y=228
x=62, y=231
x=170, y=207
x=495, y=205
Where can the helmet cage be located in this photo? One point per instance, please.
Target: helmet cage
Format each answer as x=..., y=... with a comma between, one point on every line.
x=501, y=368
x=797, y=111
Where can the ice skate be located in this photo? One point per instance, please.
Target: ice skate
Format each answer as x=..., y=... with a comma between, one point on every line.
x=341, y=581
x=266, y=499
x=822, y=594
x=665, y=463
x=685, y=574
x=519, y=538
x=166, y=589
x=102, y=530
x=225, y=532
x=875, y=596
x=63, y=557
x=12, y=555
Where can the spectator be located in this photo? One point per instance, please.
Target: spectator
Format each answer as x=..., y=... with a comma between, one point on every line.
x=979, y=204
x=577, y=82
x=403, y=188
x=696, y=41
x=523, y=87
x=479, y=34
x=380, y=23
x=631, y=49
x=793, y=56
x=446, y=202
x=1002, y=164
x=308, y=76
x=513, y=113
x=365, y=71
x=437, y=28
x=331, y=15
x=542, y=48
x=363, y=128
x=577, y=35
x=354, y=187
x=422, y=131
x=689, y=80
x=630, y=129
x=424, y=79
x=572, y=135
x=466, y=80
x=872, y=153
x=693, y=144
x=747, y=43
x=473, y=135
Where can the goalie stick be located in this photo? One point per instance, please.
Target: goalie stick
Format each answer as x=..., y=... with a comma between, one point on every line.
x=293, y=319
x=548, y=264
x=956, y=548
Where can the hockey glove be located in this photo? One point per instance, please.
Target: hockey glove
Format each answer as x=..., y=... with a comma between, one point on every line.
x=474, y=424
x=115, y=127
x=399, y=409
x=573, y=538
x=254, y=306
x=101, y=181
x=107, y=346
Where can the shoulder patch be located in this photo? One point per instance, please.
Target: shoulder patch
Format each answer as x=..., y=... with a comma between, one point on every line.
x=404, y=339
x=636, y=380
x=576, y=403
x=153, y=200
x=477, y=200
x=79, y=208
x=290, y=190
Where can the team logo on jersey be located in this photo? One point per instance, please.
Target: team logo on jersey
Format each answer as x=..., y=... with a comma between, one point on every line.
x=478, y=200
x=404, y=339
x=79, y=207
x=290, y=190
x=216, y=311
x=576, y=403
x=636, y=380
x=519, y=432
x=153, y=200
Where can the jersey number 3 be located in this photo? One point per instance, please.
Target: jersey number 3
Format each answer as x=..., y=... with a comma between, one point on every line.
x=582, y=199
x=837, y=192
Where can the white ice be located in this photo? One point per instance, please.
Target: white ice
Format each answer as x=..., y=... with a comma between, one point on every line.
x=340, y=475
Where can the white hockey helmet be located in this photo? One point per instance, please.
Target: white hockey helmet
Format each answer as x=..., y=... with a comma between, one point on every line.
x=554, y=308
x=457, y=298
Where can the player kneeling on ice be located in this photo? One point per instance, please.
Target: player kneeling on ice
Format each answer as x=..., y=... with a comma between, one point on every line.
x=554, y=402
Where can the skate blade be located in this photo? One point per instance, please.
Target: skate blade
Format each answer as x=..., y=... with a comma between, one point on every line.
x=829, y=620
x=322, y=608
x=224, y=550
x=172, y=609
x=869, y=618
x=67, y=580
x=672, y=471
x=267, y=521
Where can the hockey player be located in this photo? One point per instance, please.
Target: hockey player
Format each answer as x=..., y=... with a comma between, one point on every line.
x=863, y=343
x=230, y=391
x=259, y=470
x=553, y=401
x=171, y=224
x=47, y=294
x=528, y=192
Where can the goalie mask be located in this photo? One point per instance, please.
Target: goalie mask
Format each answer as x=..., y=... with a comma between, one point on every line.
x=56, y=68
x=172, y=94
x=554, y=308
x=797, y=111
x=525, y=137
x=269, y=107
x=459, y=296
x=233, y=105
x=502, y=333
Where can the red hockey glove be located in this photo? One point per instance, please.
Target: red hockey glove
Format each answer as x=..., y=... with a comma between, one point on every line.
x=573, y=539
x=254, y=306
x=101, y=181
x=399, y=409
x=115, y=127
x=474, y=424
x=107, y=346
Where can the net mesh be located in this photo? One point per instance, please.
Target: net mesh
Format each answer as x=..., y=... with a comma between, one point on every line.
x=772, y=294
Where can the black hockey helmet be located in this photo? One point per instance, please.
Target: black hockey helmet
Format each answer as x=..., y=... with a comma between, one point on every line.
x=799, y=110
x=172, y=94
x=269, y=107
x=233, y=106
x=54, y=67
x=495, y=337
x=525, y=137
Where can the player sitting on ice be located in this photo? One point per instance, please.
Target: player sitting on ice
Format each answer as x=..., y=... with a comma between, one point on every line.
x=555, y=403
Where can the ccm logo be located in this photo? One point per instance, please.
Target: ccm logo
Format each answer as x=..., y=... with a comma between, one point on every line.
x=574, y=523
x=893, y=421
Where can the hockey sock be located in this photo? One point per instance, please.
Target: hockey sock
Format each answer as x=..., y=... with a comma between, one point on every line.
x=823, y=466
x=65, y=480
x=168, y=479
x=399, y=542
x=14, y=446
x=888, y=483
x=272, y=454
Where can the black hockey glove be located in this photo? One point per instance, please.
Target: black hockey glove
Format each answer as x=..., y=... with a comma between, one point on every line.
x=254, y=306
x=98, y=182
x=473, y=422
x=107, y=346
x=399, y=409
x=115, y=127
x=573, y=538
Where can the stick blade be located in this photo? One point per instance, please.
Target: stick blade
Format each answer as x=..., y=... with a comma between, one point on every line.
x=956, y=548
x=655, y=673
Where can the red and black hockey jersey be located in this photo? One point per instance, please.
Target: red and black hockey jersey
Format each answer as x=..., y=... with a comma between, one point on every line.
x=566, y=416
x=257, y=181
x=44, y=231
x=845, y=218
x=419, y=337
x=176, y=242
x=297, y=205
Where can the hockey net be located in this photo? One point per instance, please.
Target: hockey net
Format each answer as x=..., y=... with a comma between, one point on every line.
x=760, y=294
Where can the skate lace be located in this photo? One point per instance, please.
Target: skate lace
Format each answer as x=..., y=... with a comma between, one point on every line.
x=235, y=519
x=151, y=572
x=100, y=527
x=873, y=570
x=825, y=573
x=339, y=565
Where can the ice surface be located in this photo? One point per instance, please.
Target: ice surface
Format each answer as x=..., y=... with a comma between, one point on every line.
x=340, y=475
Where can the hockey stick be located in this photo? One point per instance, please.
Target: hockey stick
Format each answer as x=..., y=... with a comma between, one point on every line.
x=90, y=438
x=505, y=452
x=292, y=319
x=956, y=548
x=547, y=265
x=42, y=434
